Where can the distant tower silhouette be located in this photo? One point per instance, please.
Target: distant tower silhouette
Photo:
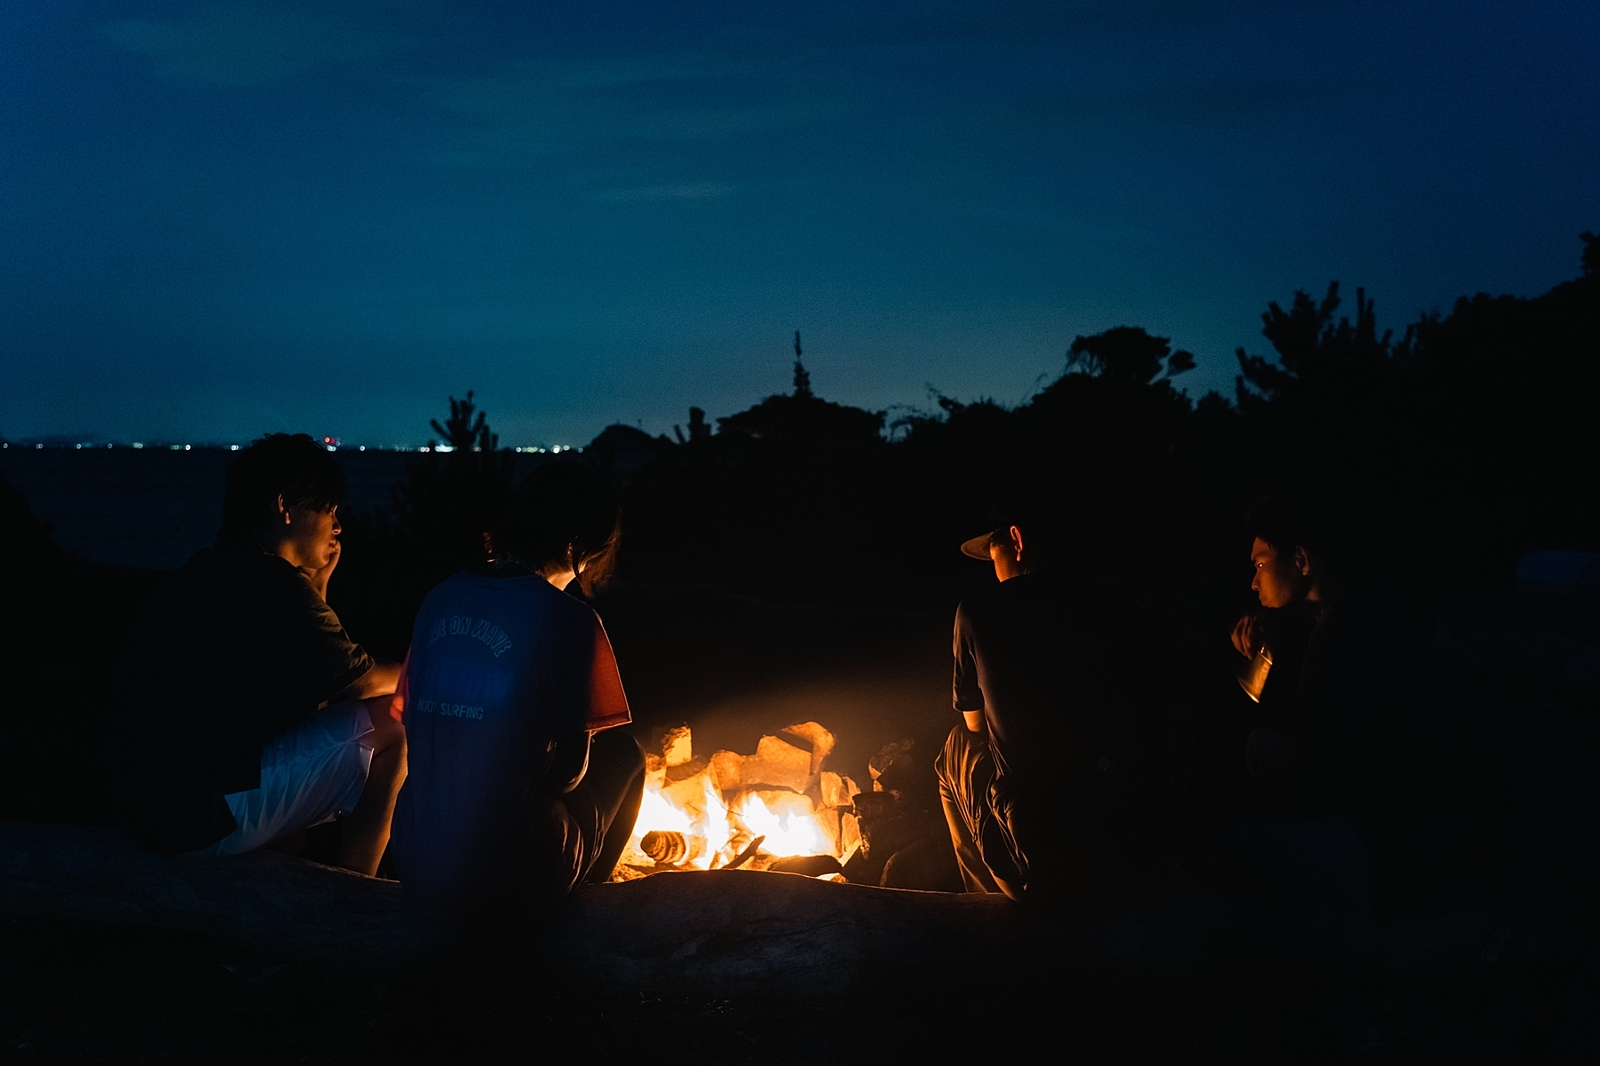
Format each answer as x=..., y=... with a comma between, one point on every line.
x=802, y=380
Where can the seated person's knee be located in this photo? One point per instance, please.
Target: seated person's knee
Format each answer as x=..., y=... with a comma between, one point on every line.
x=619, y=749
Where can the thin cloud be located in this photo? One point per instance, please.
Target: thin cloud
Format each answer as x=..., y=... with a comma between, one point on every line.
x=704, y=190
x=255, y=41
x=548, y=105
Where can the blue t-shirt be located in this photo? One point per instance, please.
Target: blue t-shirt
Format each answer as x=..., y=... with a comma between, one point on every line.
x=498, y=668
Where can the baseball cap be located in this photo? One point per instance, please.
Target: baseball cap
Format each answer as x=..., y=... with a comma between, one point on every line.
x=978, y=547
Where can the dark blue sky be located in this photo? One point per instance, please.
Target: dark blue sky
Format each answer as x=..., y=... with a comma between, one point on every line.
x=218, y=219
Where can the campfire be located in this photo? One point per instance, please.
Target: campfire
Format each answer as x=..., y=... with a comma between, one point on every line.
x=775, y=809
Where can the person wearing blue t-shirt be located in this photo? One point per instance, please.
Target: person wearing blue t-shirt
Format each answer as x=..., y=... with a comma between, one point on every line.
x=515, y=794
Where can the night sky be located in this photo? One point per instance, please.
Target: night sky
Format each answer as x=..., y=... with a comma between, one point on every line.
x=219, y=219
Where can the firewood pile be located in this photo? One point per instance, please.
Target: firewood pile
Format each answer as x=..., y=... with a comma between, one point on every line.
x=780, y=809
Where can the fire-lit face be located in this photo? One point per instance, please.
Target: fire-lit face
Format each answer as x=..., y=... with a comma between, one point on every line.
x=310, y=538
x=1279, y=580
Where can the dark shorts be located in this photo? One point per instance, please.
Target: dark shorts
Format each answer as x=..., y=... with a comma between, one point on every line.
x=588, y=827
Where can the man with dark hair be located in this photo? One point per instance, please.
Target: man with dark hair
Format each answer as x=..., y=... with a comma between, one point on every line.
x=251, y=713
x=1291, y=577
x=1025, y=777
x=1341, y=674
x=521, y=785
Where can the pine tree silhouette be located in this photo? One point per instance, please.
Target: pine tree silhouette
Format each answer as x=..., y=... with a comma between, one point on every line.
x=802, y=380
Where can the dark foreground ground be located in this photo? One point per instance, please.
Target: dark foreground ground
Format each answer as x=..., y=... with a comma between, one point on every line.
x=90, y=993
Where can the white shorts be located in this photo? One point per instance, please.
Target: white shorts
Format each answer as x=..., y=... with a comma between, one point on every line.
x=310, y=774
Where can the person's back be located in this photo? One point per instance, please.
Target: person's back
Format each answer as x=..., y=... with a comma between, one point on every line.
x=510, y=802
x=500, y=668
x=1021, y=659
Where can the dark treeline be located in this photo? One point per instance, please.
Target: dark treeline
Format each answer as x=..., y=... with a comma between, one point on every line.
x=1441, y=454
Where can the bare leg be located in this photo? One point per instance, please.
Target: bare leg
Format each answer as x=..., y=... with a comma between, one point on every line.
x=365, y=833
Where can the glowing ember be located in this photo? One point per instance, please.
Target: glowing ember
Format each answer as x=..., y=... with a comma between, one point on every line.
x=704, y=814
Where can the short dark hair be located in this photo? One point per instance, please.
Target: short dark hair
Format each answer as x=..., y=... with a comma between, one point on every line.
x=564, y=504
x=1286, y=524
x=291, y=465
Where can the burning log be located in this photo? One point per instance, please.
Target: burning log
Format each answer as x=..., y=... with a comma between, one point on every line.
x=665, y=847
x=808, y=866
x=746, y=855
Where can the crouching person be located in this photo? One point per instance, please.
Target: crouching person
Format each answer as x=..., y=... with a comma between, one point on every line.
x=248, y=712
x=512, y=798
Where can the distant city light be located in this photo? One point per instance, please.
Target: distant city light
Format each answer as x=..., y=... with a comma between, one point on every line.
x=233, y=447
x=138, y=444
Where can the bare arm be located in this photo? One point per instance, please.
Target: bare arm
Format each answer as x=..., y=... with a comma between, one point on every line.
x=381, y=680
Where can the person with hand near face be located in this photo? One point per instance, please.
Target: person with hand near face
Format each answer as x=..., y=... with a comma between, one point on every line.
x=1290, y=579
x=248, y=712
x=1344, y=736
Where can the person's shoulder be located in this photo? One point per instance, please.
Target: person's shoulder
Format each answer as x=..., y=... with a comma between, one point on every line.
x=530, y=591
x=1024, y=589
x=982, y=604
x=243, y=570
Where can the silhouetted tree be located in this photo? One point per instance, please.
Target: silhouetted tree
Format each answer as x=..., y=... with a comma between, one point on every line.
x=1313, y=346
x=699, y=430
x=448, y=503
x=460, y=432
x=1127, y=354
x=802, y=380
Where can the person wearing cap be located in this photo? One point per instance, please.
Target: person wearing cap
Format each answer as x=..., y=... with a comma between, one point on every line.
x=1020, y=774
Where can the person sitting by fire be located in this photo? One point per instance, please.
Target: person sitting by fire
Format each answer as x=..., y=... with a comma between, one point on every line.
x=250, y=713
x=1348, y=706
x=1031, y=780
x=520, y=786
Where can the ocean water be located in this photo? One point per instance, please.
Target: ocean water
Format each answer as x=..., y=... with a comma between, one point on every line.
x=155, y=507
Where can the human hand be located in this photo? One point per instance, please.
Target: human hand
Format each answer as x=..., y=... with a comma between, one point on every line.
x=1247, y=636
x=319, y=577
